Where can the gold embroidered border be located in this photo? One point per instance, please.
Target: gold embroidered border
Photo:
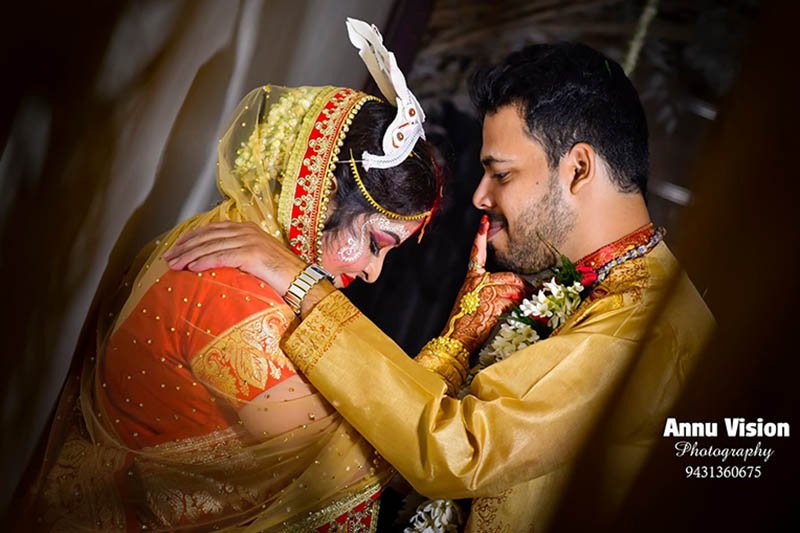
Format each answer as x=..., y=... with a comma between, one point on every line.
x=80, y=492
x=206, y=449
x=375, y=510
x=336, y=509
x=248, y=353
x=624, y=285
x=617, y=248
x=308, y=176
x=342, y=126
x=292, y=169
x=312, y=339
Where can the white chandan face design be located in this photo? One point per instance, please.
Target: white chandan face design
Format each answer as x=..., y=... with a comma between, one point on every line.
x=356, y=245
x=360, y=250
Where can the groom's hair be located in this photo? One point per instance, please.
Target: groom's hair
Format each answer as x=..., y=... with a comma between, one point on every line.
x=569, y=93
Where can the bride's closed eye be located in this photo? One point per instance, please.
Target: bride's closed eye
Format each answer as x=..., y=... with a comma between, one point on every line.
x=373, y=245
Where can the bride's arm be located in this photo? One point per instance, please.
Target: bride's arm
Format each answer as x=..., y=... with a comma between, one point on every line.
x=290, y=404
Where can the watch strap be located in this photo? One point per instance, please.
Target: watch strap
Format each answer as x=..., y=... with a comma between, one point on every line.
x=303, y=282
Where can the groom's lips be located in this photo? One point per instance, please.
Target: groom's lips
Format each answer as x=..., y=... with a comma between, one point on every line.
x=346, y=280
x=494, y=227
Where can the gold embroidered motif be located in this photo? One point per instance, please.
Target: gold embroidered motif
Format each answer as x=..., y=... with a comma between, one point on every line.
x=483, y=516
x=629, y=280
x=80, y=475
x=171, y=506
x=318, y=331
x=328, y=514
x=204, y=493
x=247, y=354
x=624, y=285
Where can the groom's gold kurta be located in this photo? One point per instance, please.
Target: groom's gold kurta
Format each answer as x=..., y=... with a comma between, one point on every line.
x=511, y=442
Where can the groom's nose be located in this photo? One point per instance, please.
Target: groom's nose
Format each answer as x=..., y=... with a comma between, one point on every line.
x=482, y=198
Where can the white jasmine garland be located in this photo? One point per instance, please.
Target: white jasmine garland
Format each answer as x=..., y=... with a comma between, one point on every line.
x=512, y=337
x=436, y=516
x=537, y=306
x=554, y=302
x=561, y=302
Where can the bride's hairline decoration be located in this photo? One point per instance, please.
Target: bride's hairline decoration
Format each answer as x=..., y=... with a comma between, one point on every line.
x=374, y=203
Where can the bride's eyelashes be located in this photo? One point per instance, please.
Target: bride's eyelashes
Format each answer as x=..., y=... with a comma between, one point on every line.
x=373, y=245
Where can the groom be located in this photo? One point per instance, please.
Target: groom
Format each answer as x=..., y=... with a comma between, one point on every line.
x=565, y=167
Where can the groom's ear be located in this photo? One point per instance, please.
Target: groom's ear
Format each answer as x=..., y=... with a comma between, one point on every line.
x=334, y=185
x=580, y=166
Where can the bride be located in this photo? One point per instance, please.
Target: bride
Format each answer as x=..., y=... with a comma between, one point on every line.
x=183, y=413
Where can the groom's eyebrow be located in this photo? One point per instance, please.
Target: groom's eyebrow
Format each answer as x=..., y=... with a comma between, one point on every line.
x=491, y=160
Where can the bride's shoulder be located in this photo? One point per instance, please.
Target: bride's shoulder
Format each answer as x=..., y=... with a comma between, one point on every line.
x=223, y=283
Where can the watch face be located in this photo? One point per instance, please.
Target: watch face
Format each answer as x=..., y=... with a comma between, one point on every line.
x=322, y=271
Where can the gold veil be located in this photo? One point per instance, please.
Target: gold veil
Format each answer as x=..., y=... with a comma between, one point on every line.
x=305, y=469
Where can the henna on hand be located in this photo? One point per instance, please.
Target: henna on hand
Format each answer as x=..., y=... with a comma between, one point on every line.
x=501, y=291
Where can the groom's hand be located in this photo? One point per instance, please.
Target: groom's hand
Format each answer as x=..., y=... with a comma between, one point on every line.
x=498, y=293
x=241, y=245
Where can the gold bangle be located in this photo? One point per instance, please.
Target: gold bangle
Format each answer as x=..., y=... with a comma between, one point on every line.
x=452, y=350
x=448, y=358
x=440, y=367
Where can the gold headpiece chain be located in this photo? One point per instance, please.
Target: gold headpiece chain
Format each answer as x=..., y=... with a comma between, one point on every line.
x=374, y=203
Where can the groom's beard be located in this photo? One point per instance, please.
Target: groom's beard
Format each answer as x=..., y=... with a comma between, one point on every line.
x=549, y=220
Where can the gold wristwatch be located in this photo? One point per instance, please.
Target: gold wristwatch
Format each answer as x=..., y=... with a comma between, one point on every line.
x=307, y=278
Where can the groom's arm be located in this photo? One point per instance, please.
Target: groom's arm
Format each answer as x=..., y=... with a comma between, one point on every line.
x=526, y=416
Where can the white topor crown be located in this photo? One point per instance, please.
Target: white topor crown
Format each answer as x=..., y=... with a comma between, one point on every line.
x=406, y=128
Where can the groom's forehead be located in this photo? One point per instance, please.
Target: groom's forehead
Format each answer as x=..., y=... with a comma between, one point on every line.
x=506, y=139
x=504, y=124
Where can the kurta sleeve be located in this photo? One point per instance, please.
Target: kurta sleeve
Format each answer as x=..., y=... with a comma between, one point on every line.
x=524, y=416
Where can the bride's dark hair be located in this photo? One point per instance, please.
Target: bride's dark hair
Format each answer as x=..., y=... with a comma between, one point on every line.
x=410, y=188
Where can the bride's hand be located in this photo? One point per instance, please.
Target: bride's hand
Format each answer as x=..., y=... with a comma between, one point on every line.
x=241, y=245
x=498, y=293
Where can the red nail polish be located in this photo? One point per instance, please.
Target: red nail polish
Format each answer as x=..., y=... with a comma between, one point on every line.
x=484, y=227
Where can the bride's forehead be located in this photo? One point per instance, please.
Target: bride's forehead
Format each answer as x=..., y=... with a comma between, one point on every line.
x=401, y=228
x=381, y=224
